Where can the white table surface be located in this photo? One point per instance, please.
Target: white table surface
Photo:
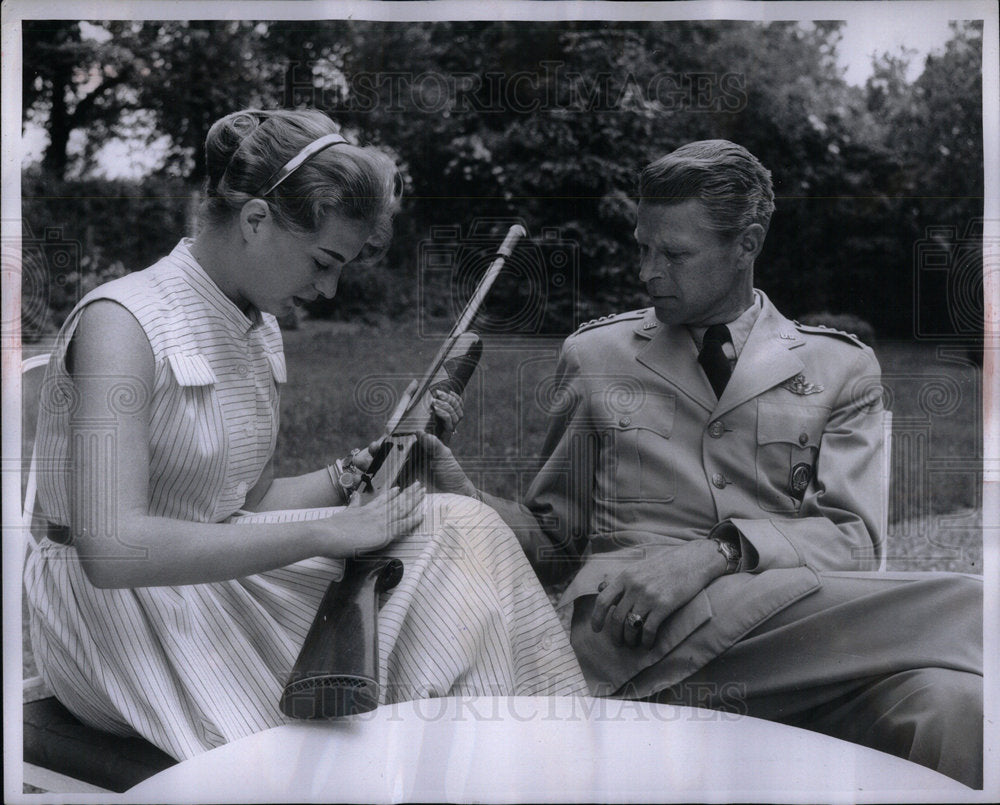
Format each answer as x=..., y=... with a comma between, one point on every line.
x=508, y=749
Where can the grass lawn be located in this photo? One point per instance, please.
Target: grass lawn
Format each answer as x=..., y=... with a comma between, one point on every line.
x=343, y=381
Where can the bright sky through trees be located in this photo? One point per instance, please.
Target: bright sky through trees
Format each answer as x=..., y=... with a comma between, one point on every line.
x=880, y=30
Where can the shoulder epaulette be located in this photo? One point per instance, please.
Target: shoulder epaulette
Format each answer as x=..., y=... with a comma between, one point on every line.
x=822, y=329
x=602, y=321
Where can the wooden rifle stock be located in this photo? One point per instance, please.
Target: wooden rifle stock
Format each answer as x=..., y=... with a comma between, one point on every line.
x=336, y=673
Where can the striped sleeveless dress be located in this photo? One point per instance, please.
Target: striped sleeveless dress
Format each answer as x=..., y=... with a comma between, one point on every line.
x=192, y=667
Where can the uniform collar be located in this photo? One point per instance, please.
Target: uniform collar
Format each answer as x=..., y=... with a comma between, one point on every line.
x=767, y=358
x=739, y=328
x=649, y=325
x=242, y=323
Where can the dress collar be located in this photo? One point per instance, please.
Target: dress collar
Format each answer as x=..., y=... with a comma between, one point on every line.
x=241, y=322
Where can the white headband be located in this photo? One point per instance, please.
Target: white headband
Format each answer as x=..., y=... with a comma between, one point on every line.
x=297, y=161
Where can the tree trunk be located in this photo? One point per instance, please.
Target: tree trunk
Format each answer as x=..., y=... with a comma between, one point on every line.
x=59, y=127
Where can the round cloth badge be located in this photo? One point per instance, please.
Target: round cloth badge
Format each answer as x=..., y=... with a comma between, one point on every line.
x=799, y=479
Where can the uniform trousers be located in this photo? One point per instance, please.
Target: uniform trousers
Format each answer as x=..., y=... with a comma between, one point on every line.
x=892, y=661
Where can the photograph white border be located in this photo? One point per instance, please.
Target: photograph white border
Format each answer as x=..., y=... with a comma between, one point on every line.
x=871, y=13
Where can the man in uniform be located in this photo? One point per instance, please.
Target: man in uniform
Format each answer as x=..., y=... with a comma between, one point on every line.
x=712, y=477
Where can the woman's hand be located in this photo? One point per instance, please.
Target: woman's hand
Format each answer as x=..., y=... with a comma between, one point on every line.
x=369, y=526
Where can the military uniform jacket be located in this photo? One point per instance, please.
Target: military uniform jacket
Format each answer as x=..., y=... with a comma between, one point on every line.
x=639, y=451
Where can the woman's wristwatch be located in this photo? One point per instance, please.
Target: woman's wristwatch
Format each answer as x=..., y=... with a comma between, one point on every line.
x=732, y=551
x=345, y=477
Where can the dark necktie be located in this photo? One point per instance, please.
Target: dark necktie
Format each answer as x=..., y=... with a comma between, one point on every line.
x=713, y=360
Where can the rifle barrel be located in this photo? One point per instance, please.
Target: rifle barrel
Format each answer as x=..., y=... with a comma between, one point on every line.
x=514, y=234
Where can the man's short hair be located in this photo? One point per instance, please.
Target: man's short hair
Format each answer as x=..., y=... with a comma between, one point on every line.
x=730, y=181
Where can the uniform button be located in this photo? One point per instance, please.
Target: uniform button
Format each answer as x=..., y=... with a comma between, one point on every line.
x=716, y=429
x=243, y=370
x=803, y=439
x=625, y=421
x=719, y=480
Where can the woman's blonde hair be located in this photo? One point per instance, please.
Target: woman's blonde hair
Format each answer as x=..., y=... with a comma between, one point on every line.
x=245, y=149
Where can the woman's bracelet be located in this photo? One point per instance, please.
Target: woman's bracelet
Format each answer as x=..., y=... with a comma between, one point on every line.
x=335, y=470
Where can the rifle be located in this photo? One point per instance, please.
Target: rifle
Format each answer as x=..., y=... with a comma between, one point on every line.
x=336, y=672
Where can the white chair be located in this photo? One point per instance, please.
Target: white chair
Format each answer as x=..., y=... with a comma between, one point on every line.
x=62, y=755
x=32, y=370
x=886, y=478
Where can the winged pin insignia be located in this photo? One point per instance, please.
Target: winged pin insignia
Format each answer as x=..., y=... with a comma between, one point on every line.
x=799, y=385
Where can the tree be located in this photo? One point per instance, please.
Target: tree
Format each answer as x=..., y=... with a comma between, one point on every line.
x=939, y=131
x=71, y=83
x=549, y=122
x=141, y=80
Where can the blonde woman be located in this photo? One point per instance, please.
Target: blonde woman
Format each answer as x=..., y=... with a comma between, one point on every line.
x=179, y=577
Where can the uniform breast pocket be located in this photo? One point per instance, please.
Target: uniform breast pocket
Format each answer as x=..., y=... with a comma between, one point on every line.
x=635, y=449
x=788, y=444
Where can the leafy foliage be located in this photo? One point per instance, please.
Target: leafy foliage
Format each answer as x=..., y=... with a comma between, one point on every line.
x=79, y=233
x=545, y=123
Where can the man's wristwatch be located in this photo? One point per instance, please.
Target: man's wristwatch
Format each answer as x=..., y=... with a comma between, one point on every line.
x=730, y=550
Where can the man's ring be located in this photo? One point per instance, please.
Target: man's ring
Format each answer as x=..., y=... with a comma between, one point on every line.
x=634, y=621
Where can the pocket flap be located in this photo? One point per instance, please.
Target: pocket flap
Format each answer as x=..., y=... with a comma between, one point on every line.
x=793, y=424
x=629, y=409
x=277, y=361
x=192, y=370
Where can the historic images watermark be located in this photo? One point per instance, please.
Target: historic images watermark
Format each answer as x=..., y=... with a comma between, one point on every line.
x=550, y=88
x=937, y=439
x=47, y=265
x=536, y=295
x=951, y=272
x=706, y=701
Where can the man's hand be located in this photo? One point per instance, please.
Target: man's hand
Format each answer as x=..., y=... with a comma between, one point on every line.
x=447, y=407
x=448, y=412
x=435, y=465
x=440, y=469
x=654, y=588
